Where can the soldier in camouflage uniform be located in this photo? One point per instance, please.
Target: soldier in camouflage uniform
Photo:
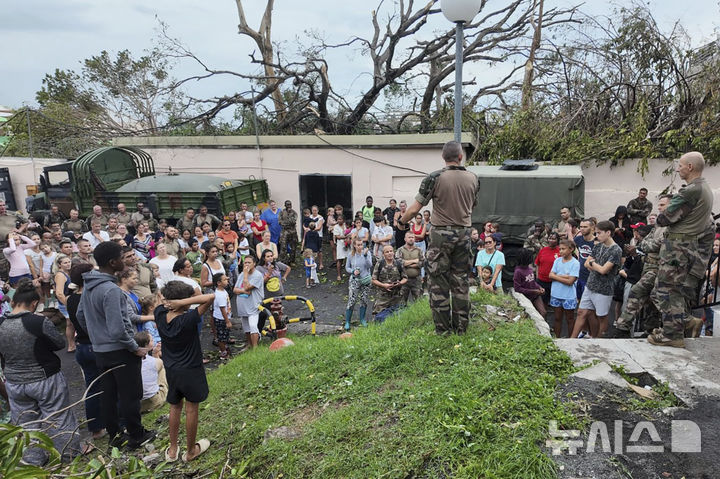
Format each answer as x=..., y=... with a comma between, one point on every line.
x=288, y=236
x=413, y=259
x=537, y=239
x=74, y=223
x=685, y=252
x=388, y=277
x=639, y=297
x=454, y=192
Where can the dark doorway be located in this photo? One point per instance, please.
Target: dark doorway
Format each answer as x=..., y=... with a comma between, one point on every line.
x=325, y=191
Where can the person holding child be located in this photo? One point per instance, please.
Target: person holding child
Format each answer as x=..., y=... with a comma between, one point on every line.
x=183, y=359
x=490, y=256
x=565, y=271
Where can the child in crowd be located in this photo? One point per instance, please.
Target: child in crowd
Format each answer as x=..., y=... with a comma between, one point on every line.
x=524, y=281
x=563, y=296
x=310, y=268
x=232, y=262
x=195, y=256
x=221, y=312
x=243, y=248
x=155, y=386
x=182, y=355
x=147, y=306
x=486, y=279
x=312, y=239
x=156, y=273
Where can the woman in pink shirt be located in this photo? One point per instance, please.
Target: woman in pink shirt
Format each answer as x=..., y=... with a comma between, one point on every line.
x=15, y=254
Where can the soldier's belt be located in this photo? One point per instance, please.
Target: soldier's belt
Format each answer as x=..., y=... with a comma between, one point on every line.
x=680, y=236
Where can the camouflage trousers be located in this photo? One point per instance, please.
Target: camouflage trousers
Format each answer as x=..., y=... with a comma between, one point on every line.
x=448, y=258
x=682, y=266
x=287, y=247
x=639, y=300
x=412, y=290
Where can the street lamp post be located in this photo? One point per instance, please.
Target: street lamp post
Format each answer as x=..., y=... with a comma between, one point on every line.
x=459, y=12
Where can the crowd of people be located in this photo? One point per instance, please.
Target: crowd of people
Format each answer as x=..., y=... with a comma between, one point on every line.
x=135, y=291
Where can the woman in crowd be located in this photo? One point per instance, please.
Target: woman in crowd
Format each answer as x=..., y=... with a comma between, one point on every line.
x=200, y=235
x=399, y=234
x=623, y=232
x=258, y=226
x=417, y=227
x=143, y=242
x=274, y=274
x=62, y=291
x=35, y=385
x=164, y=262
x=340, y=237
x=428, y=225
x=184, y=240
x=329, y=227
x=544, y=261
x=264, y=245
x=360, y=232
x=316, y=218
x=490, y=256
x=84, y=354
x=183, y=269
x=15, y=254
x=211, y=266
x=359, y=266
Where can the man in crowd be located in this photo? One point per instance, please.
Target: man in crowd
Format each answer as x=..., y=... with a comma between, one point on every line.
x=287, y=248
x=74, y=223
x=453, y=191
x=187, y=222
x=639, y=208
x=97, y=215
x=112, y=225
x=685, y=252
x=584, y=243
x=96, y=235
x=84, y=254
x=122, y=215
x=388, y=277
x=171, y=241
x=270, y=215
x=413, y=259
x=248, y=215
x=147, y=217
x=603, y=264
x=103, y=314
x=561, y=227
x=137, y=216
x=537, y=239
x=639, y=298
x=204, y=217
x=55, y=216
x=368, y=211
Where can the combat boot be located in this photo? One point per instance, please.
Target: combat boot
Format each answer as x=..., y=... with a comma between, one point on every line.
x=619, y=334
x=659, y=339
x=693, y=327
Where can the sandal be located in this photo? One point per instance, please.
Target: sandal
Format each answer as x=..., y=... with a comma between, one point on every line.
x=168, y=457
x=203, y=444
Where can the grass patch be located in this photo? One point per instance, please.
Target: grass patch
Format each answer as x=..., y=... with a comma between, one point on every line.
x=394, y=400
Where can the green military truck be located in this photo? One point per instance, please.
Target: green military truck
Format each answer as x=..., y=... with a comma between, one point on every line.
x=112, y=175
x=516, y=194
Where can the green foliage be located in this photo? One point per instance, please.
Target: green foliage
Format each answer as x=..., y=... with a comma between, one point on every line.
x=395, y=400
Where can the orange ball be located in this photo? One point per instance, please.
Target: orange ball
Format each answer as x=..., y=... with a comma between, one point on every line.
x=345, y=335
x=281, y=343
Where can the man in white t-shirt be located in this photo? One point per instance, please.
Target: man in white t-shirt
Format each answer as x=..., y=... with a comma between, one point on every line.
x=96, y=235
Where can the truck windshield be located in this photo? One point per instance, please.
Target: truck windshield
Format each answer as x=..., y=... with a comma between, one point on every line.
x=58, y=178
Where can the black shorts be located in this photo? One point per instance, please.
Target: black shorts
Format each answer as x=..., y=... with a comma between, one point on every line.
x=188, y=384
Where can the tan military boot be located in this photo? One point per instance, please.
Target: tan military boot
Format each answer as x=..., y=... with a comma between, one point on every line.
x=693, y=327
x=659, y=339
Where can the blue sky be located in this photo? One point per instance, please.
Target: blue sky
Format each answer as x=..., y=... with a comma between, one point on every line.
x=40, y=36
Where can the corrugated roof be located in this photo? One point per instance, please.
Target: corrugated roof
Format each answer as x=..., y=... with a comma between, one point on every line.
x=177, y=184
x=294, y=141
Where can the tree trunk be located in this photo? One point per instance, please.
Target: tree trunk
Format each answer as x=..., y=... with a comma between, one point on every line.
x=529, y=65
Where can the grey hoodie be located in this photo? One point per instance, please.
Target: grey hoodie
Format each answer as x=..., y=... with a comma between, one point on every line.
x=103, y=314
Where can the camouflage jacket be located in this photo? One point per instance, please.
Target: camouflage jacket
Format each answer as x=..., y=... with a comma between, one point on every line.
x=651, y=245
x=639, y=210
x=76, y=226
x=288, y=219
x=536, y=243
x=689, y=211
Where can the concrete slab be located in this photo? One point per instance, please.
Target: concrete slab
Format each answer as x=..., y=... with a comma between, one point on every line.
x=540, y=324
x=602, y=372
x=690, y=372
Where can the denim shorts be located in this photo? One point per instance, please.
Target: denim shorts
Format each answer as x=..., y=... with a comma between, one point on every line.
x=567, y=304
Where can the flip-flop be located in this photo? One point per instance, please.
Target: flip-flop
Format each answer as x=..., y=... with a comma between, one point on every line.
x=204, y=445
x=168, y=458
